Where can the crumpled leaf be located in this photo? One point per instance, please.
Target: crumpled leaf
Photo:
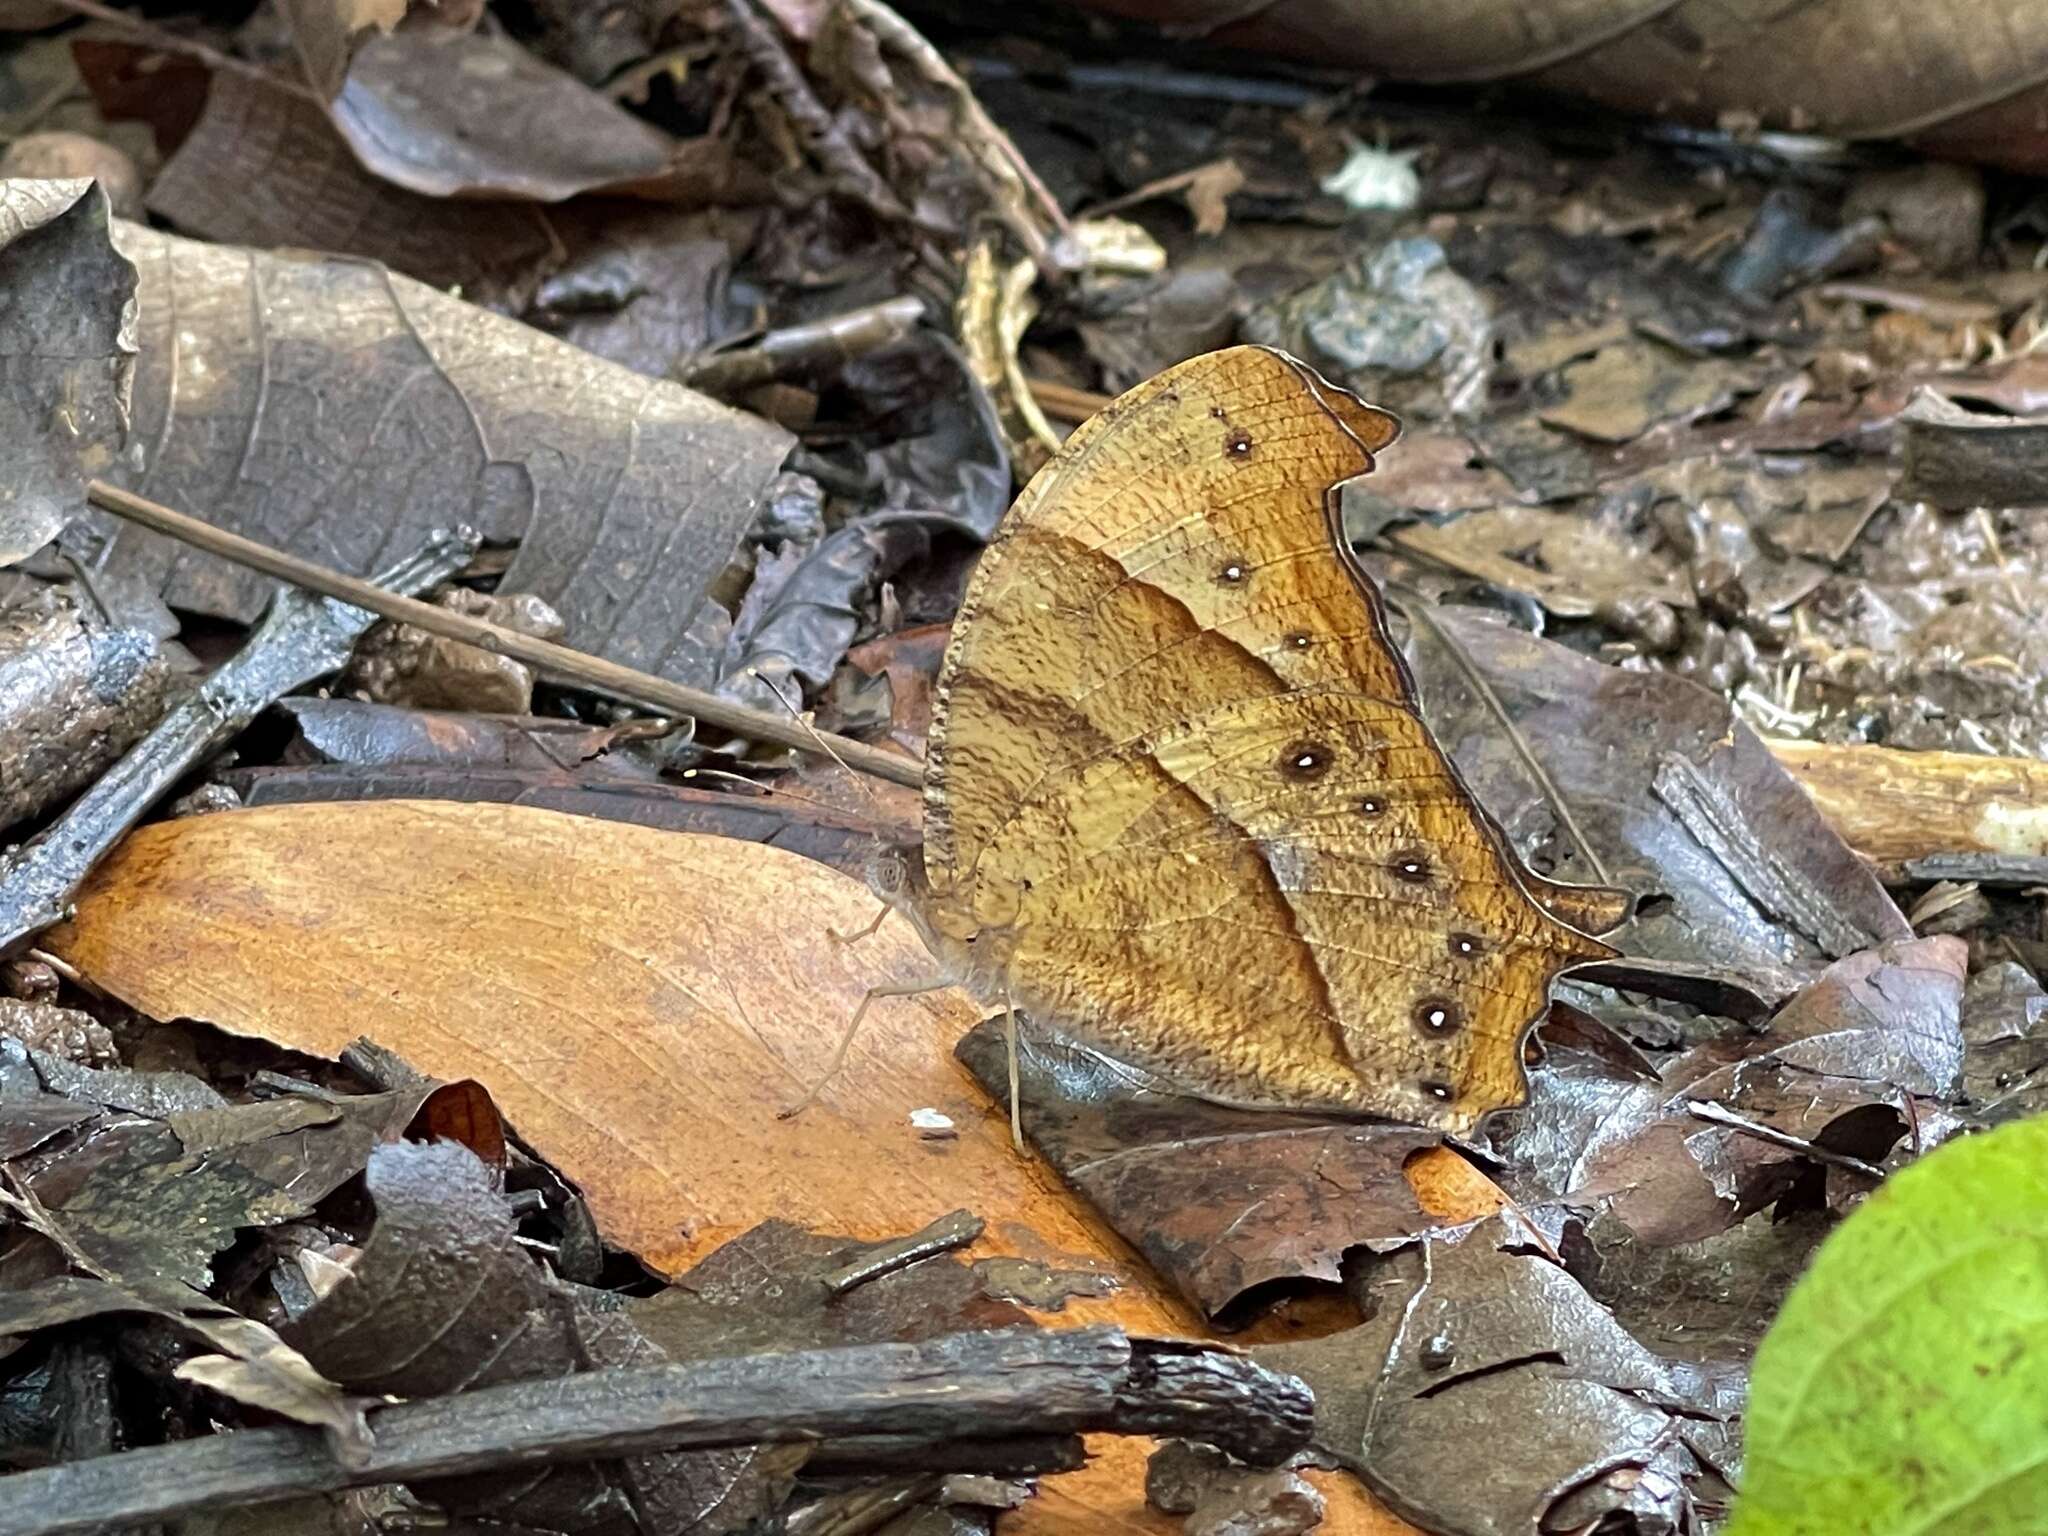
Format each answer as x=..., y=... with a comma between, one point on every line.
x=1734, y=1123
x=1219, y=1200
x=342, y=412
x=1580, y=1420
x=441, y=1298
x=1683, y=804
x=1897, y=1391
x=67, y=355
x=2005, y=1044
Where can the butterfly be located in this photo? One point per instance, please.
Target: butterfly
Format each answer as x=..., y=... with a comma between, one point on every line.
x=1179, y=799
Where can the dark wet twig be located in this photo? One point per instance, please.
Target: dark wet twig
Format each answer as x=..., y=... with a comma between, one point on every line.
x=302, y=637
x=558, y=661
x=1720, y=1114
x=1419, y=614
x=1000, y=1383
x=949, y=1233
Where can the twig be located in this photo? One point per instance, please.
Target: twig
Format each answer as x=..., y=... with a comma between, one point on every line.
x=952, y=1231
x=1063, y=402
x=560, y=661
x=778, y=353
x=1004, y=1382
x=1715, y=1113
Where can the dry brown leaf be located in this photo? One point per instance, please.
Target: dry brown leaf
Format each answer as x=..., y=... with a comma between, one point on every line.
x=1968, y=73
x=341, y=412
x=619, y=993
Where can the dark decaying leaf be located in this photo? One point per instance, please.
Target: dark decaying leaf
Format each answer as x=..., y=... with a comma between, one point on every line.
x=767, y=1290
x=67, y=355
x=249, y=1363
x=265, y=167
x=472, y=114
x=842, y=838
x=76, y=695
x=942, y=448
x=1219, y=1200
x=1581, y=1422
x=152, y=1200
x=341, y=412
x=1708, y=1300
x=643, y=287
x=1965, y=458
x=1732, y=866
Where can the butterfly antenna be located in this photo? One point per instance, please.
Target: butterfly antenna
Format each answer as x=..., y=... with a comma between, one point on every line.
x=1420, y=615
x=810, y=730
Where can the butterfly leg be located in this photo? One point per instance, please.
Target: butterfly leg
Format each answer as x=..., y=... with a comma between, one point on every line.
x=897, y=989
x=1010, y=1040
x=881, y=917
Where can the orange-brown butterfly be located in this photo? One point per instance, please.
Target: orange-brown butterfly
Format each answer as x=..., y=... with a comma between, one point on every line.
x=1179, y=802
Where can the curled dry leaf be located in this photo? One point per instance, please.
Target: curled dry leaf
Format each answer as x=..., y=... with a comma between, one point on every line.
x=67, y=354
x=472, y=114
x=342, y=412
x=1967, y=75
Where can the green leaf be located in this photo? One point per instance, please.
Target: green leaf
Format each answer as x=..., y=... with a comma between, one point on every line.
x=1904, y=1388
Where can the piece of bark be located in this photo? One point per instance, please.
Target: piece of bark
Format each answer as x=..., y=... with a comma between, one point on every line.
x=73, y=698
x=1892, y=805
x=1961, y=458
x=1001, y=1383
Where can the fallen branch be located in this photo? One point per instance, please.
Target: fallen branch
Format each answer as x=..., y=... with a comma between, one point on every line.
x=999, y=1384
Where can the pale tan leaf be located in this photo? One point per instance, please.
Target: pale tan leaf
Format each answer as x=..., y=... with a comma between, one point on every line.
x=639, y=1004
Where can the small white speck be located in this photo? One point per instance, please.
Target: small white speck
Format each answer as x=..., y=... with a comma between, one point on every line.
x=932, y=1125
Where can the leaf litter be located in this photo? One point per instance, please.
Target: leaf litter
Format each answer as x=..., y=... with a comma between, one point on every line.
x=1717, y=478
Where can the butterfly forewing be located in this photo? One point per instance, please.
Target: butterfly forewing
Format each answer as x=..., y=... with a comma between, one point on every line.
x=1175, y=556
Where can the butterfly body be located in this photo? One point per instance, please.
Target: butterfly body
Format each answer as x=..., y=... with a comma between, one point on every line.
x=1179, y=800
